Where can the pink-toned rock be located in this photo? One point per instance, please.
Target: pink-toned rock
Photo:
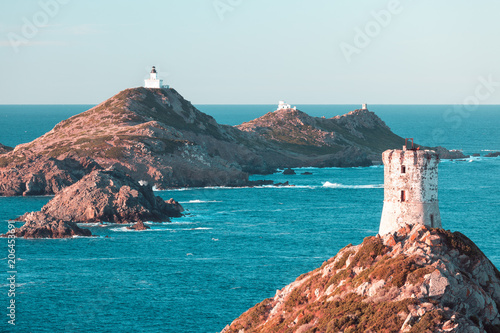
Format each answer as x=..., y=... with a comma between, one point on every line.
x=109, y=196
x=439, y=282
x=139, y=226
x=38, y=225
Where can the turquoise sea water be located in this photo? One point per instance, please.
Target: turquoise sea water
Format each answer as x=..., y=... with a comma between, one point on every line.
x=234, y=247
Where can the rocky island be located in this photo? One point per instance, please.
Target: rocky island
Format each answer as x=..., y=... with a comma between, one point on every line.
x=101, y=164
x=157, y=136
x=101, y=196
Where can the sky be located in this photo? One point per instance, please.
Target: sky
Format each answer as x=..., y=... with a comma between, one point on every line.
x=252, y=51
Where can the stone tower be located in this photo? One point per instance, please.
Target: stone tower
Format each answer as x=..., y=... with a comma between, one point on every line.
x=410, y=189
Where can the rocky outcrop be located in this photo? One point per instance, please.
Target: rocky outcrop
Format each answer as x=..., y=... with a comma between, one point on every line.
x=39, y=225
x=4, y=149
x=111, y=196
x=493, y=154
x=414, y=280
x=289, y=171
x=448, y=154
x=139, y=226
x=43, y=175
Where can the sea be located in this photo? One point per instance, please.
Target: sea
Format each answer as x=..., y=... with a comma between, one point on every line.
x=235, y=246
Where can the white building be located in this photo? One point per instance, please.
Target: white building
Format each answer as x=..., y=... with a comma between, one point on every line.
x=153, y=81
x=282, y=106
x=364, y=107
x=410, y=189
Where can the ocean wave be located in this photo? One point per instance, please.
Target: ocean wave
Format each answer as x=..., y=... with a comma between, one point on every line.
x=199, y=228
x=125, y=229
x=199, y=201
x=337, y=185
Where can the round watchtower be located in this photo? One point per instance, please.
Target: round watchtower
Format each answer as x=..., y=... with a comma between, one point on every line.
x=410, y=189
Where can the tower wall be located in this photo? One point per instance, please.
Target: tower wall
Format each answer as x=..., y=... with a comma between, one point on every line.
x=410, y=189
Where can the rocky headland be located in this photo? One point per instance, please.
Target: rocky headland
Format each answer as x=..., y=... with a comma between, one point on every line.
x=413, y=280
x=157, y=136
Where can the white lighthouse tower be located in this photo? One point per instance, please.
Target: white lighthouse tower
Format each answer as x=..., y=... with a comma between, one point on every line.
x=410, y=189
x=153, y=81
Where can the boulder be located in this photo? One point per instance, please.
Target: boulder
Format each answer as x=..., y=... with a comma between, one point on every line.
x=289, y=171
x=139, y=226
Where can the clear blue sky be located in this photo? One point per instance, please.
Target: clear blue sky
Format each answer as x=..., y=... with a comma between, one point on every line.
x=252, y=51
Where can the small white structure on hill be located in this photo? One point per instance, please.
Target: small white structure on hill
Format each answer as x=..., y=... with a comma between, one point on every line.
x=153, y=81
x=364, y=107
x=410, y=189
x=282, y=106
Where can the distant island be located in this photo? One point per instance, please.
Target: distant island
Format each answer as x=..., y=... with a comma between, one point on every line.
x=156, y=136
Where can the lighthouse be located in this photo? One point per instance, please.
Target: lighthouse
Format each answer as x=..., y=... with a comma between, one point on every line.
x=153, y=81
x=410, y=189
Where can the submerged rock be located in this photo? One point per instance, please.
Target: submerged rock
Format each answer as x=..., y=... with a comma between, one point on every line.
x=111, y=196
x=414, y=280
x=39, y=225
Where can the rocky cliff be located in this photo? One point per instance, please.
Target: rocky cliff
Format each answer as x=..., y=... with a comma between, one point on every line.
x=157, y=136
x=414, y=280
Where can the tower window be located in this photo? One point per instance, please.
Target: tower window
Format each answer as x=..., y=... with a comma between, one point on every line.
x=403, y=196
x=432, y=220
x=403, y=169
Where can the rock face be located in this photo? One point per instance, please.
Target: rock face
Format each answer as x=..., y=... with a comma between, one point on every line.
x=111, y=196
x=39, y=225
x=4, y=149
x=413, y=280
x=493, y=154
x=157, y=136
x=43, y=175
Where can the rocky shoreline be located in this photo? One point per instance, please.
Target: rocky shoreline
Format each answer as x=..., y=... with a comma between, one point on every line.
x=101, y=196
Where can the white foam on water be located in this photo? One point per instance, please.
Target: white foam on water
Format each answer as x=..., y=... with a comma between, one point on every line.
x=338, y=185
